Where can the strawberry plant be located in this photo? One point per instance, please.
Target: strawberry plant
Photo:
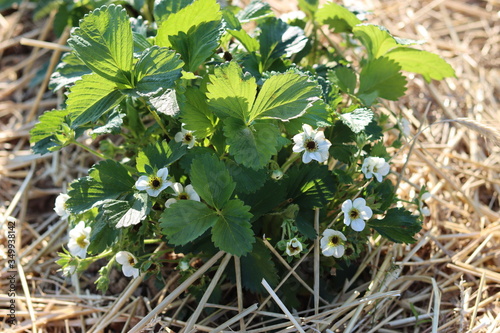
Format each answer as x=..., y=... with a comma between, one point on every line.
x=213, y=135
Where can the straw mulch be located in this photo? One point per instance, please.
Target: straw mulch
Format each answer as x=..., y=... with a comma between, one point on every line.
x=448, y=281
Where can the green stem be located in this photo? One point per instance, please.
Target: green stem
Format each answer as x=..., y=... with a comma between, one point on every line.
x=158, y=120
x=152, y=241
x=99, y=256
x=288, y=163
x=90, y=150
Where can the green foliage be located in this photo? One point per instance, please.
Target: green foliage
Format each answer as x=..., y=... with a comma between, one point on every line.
x=337, y=17
x=258, y=103
x=107, y=180
x=398, y=225
x=104, y=43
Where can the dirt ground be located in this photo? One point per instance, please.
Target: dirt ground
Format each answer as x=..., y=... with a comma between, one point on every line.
x=448, y=281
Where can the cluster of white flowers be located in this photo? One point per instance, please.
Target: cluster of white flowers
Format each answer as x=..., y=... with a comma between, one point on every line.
x=375, y=167
x=312, y=143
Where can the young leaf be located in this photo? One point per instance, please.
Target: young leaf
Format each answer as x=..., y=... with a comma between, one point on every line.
x=249, y=43
x=231, y=93
x=102, y=235
x=337, y=17
x=285, y=96
x=43, y=134
x=251, y=146
x=196, y=115
x=429, y=65
x=194, y=32
x=398, y=225
x=233, y=232
x=122, y=214
x=358, y=119
x=159, y=155
x=186, y=220
x=211, y=180
x=278, y=38
x=381, y=78
x=377, y=40
x=107, y=180
x=104, y=43
x=156, y=71
x=90, y=98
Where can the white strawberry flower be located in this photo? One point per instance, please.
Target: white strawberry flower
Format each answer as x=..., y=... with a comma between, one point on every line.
x=332, y=243
x=79, y=240
x=186, y=137
x=356, y=213
x=153, y=185
x=375, y=167
x=128, y=261
x=293, y=247
x=60, y=205
x=312, y=143
x=183, y=265
x=182, y=193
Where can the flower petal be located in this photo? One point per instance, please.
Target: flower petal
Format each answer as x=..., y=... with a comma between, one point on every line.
x=142, y=183
x=163, y=173
x=358, y=225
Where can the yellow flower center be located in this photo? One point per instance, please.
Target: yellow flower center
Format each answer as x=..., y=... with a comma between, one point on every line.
x=334, y=241
x=81, y=241
x=354, y=214
x=311, y=145
x=155, y=182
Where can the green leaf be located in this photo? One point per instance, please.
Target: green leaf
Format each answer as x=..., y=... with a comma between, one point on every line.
x=104, y=43
x=159, y=155
x=278, y=38
x=156, y=71
x=102, y=235
x=127, y=213
x=344, y=78
x=429, y=65
x=186, y=220
x=342, y=152
x=254, y=10
x=69, y=70
x=249, y=43
x=233, y=232
x=43, y=134
x=381, y=78
x=211, y=180
x=358, y=119
x=266, y=199
x=337, y=17
x=194, y=32
x=107, y=180
x=163, y=8
x=252, y=146
x=310, y=185
x=309, y=6
x=398, y=225
x=196, y=115
x=247, y=180
x=258, y=265
x=377, y=40
x=90, y=98
x=113, y=124
x=285, y=96
x=316, y=116
x=231, y=93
